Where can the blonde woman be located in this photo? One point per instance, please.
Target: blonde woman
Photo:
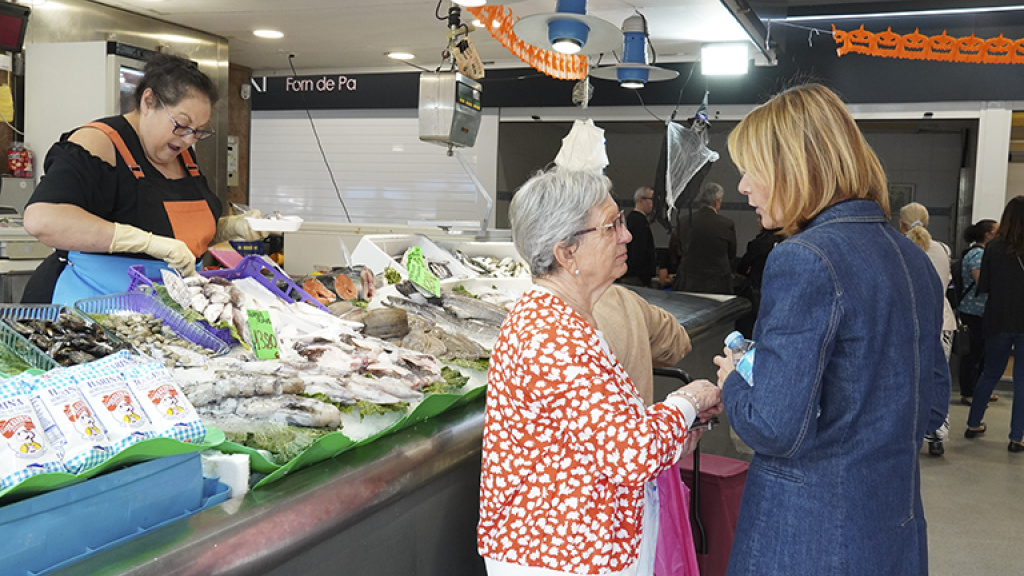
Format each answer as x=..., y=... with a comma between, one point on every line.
x=850, y=372
x=914, y=224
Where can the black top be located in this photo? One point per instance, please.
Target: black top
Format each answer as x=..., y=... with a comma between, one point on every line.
x=75, y=176
x=641, y=258
x=708, y=243
x=1002, y=277
x=751, y=264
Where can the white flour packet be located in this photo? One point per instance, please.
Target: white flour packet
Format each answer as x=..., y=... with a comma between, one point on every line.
x=104, y=385
x=170, y=411
x=24, y=448
x=71, y=425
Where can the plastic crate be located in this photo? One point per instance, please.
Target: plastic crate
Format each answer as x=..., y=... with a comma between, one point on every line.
x=22, y=348
x=383, y=251
x=58, y=528
x=49, y=312
x=270, y=277
x=149, y=304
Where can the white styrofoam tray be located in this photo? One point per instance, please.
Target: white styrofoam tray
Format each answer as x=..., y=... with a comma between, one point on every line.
x=381, y=251
x=499, y=250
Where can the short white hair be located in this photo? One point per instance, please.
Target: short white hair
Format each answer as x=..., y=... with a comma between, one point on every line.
x=641, y=193
x=550, y=208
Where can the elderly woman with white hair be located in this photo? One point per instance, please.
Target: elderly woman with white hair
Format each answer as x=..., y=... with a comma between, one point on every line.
x=569, y=445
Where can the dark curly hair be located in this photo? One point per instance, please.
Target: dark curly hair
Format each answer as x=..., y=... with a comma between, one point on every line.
x=172, y=78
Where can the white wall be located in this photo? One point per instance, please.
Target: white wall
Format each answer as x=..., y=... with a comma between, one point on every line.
x=382, y=171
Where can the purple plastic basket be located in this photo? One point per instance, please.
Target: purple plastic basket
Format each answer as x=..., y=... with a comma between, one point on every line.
x=148, y=304
x=269, y=277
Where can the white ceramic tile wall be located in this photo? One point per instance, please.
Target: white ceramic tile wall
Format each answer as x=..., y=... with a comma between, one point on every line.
x=384, y=173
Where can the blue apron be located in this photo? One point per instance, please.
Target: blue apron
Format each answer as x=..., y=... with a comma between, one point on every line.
x=89, y=275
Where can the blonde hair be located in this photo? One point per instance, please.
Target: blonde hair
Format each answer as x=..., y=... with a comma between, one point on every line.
x=914, y=218
x=806, y=149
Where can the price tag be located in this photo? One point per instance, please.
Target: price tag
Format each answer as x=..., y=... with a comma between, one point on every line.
x=264, y=342
x=419, y=274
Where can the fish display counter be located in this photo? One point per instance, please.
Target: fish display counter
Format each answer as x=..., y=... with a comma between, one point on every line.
x=405, y=503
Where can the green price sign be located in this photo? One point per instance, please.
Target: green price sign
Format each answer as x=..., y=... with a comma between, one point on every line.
x=264, y=342
x=419, y=274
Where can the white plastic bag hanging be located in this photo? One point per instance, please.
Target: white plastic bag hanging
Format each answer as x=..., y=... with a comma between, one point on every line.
x=583, y=148
x=687, y=153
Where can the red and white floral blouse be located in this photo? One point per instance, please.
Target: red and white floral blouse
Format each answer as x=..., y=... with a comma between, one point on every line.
x=568, y=445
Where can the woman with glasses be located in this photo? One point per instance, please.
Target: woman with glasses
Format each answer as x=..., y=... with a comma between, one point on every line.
x=569, y=446
x=850, y=372
x=125, y=190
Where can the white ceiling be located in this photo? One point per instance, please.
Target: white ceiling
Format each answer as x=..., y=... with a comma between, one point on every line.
x=355, y=34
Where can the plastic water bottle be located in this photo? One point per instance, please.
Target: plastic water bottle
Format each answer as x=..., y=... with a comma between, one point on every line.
x=743, y=355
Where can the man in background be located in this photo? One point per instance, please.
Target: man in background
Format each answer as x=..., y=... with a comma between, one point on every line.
x=707, y=245
x=641, y=259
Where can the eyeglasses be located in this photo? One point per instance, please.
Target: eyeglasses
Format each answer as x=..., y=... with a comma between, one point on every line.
x=186, y=131
x=648, y=198
x=618, y=224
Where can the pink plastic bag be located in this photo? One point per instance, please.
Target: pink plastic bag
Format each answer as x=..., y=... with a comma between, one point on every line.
x=675, y=554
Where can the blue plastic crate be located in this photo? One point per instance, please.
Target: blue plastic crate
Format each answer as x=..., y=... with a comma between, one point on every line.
x=149, y=304
x=58, y=528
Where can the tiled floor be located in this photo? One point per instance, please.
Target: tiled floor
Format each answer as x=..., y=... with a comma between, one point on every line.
x=973, y=495
x=974, y=498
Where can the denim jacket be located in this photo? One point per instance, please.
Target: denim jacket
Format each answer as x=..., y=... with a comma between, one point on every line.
x=848, y=377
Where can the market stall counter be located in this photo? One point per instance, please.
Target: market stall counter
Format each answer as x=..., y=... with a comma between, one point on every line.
x=403, y=504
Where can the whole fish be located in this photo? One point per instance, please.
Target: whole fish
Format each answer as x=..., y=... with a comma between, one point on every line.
x=484, y=334
x=466, y=307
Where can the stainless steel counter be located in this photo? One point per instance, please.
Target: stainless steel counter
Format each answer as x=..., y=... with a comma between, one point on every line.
x=405, y=504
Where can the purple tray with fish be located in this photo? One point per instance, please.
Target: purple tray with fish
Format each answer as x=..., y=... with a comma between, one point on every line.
x=140, y=281
x=149, y=304
x=49, y=312
x=270, y=277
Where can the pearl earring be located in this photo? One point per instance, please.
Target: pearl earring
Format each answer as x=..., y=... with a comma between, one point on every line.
x=577, y=271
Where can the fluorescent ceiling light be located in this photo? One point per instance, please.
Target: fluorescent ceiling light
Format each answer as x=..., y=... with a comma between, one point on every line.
x=903, y=14
x=724, y=59
x=400, y=55
x=271, y=34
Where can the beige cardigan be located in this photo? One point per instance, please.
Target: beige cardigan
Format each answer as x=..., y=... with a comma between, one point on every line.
x=640, y=335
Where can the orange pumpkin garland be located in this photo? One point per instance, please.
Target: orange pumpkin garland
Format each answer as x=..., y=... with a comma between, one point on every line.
x=554, y=64
x=941, y=48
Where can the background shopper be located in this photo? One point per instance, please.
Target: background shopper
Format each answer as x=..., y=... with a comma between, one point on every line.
x=972, y=306
x=1002, y=278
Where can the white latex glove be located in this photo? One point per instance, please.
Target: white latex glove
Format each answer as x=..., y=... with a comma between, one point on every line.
x=171, y=250
x=237, y=228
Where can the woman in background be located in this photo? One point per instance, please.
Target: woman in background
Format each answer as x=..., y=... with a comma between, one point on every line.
x=850, y=373
x=1002, y=278
x=972, y=306
x=914, y=224
x=569, y=447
